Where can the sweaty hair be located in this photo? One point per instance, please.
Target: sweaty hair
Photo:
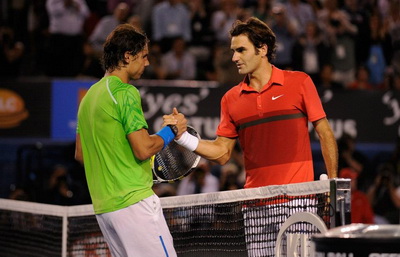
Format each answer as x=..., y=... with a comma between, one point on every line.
x=258, y=33
x=124, y=38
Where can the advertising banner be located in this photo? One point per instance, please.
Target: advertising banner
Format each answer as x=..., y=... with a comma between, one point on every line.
x=50, y=110
x=25, y=109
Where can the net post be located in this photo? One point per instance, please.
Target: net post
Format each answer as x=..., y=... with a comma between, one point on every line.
x=340, y=200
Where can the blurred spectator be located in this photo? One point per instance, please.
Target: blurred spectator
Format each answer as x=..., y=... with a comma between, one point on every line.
x=349, y=156
x=136, y=21
x=300, y=13
x=113, y=4
x=170, y=19
x=384, y=195
x=225, y=70
x=199, y=181
x=106, y=25
x=11, y=53
x=361, y=210
x=202, y=36
x=155, y=69
x=38, y=23
x=362, y=79
x=359, y=18
x=393, y=25
x=229, y=179
x=144, y=10
x=378, y=45
x=310, y=52
x=222, y=20
x=94, y=47
x=164, y=190
x=19, y=194
x=67, y=18
x=179, y=63
x=262, y=10
x=285, y=33
x=326, y=80
x=339, y=32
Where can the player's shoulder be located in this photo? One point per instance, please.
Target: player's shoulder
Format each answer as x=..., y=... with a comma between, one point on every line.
x=234, y=91
x=293, y=74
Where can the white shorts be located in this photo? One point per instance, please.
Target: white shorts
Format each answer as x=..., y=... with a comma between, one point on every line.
x=139, y=230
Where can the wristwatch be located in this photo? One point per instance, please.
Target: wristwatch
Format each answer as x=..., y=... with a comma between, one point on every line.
x=174, y=129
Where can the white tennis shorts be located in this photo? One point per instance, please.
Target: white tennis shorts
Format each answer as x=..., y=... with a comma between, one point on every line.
x=139, y=230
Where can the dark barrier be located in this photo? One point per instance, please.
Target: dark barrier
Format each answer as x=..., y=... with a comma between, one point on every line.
x=48, y=110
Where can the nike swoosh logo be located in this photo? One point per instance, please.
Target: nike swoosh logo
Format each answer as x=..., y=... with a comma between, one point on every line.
x=276, y=97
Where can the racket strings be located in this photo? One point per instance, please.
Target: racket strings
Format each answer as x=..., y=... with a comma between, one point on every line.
x=175, y=161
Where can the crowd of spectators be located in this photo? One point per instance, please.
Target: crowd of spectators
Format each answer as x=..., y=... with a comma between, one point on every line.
x=356, y=43
x=341, y=44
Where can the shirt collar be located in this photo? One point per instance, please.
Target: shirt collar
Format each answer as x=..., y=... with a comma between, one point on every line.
x=277, y=78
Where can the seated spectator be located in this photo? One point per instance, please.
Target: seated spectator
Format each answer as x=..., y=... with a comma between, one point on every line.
x=309, y=52
x=286, y=34
x=361, y=210
x=94, y=47
x=199, y=181
x=229, y=179
x=349, y=156
x=155, y=69
x=222, y=20
x=179, y=63
x=170, y=19
x=67, y=18
x=384, y=195
x=362, y=80
x=11, y=53
x=106, y=25
x=326, y=80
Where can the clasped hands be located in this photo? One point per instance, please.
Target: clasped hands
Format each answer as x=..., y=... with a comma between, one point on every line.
x=177, y=119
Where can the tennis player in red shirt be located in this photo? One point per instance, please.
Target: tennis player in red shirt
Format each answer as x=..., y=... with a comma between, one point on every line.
x=268, y=112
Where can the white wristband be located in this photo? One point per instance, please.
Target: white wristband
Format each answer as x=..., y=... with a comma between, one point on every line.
x=188, y=141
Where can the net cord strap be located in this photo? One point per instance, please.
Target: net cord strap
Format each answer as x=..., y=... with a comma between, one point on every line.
x=314, y=187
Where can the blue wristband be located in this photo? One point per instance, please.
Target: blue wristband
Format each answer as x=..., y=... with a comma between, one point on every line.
x=166, y=134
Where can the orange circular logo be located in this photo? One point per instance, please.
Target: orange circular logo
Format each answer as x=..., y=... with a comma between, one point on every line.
x=12, y=109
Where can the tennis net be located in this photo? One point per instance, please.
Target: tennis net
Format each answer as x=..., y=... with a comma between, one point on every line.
x=245, y=222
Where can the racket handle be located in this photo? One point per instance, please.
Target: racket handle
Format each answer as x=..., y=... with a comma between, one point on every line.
x=188, y=141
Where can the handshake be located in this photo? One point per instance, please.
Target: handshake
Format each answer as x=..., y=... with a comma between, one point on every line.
x=178, y=125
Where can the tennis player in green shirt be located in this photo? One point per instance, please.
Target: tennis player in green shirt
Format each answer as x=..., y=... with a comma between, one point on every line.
x=114, y=145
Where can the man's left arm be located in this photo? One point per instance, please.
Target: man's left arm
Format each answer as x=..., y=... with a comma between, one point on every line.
x=328, y=146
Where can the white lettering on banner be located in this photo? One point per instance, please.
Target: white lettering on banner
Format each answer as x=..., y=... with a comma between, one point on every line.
x=384, y=255
x=187, y=104
x=8, y=104
x=339, y=127
x=393, y=105
x=339, y=255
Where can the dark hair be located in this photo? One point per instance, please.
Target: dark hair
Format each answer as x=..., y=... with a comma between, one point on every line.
x=258, y=33
x=124, y=38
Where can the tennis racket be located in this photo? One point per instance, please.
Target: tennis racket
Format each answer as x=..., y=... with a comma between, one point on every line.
x=174, y=162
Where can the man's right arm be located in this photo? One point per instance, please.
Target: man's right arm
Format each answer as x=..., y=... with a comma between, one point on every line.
x=218, y=150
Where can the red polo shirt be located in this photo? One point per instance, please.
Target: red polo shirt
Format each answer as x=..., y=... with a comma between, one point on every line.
x=272, y=126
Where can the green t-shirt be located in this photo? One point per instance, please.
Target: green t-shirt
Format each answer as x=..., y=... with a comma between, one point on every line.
x=110, y=111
